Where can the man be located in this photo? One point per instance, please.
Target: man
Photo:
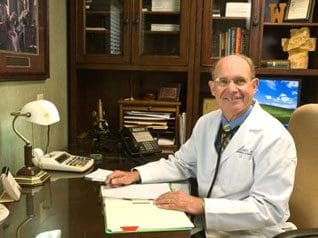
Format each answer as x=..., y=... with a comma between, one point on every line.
x=243, y=189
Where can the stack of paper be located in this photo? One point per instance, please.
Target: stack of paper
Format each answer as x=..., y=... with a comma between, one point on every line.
x=154, y=120
x=136, y=191
x=98, y=175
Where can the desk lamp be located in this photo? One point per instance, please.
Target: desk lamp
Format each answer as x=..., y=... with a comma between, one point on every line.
x=41, y=112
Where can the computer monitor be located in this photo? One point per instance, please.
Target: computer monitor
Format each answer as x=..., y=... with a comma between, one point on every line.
x=279, y=96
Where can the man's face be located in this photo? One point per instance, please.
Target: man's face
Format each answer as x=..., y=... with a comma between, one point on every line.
x=233, y=86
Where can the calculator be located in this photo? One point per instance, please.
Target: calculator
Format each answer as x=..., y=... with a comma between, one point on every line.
x=63, y=161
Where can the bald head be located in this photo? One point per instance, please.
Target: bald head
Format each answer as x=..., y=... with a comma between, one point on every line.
x=238, y=57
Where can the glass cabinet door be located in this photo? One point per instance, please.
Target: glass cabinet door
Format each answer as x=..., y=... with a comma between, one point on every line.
x=160, y=31
x=103, y=31
x=226, y=29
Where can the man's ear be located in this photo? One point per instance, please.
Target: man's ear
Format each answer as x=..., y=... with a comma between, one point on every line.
x=255, y=84
x=212, y=87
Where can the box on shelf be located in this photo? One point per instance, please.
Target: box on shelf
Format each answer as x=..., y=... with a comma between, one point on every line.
x=165, y=5
x=238, y=9
x=165, y=27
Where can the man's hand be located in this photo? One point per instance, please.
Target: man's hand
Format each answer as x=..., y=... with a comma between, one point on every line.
x=119, y=178
x=180, y=201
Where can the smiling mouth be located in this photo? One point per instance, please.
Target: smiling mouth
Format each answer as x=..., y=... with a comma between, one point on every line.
x=232, y=99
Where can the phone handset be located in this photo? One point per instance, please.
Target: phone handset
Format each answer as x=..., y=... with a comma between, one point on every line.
x=4, y=212
x=37, y=156
x=11, y=189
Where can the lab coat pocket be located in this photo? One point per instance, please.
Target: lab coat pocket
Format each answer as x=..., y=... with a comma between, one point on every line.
x=236, y=173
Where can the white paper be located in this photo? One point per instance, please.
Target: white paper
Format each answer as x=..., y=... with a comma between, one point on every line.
x=145, y=216
x=165, y=115
x=238, y=9
x=98, y=175
x=136, y=191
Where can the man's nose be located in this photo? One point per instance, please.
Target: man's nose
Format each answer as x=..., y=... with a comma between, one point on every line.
x=232, y=86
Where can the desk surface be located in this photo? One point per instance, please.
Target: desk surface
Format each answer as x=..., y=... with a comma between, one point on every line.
x=71, y=205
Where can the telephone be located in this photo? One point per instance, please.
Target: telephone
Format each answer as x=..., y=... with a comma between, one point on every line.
x=4, y=212
x=60, y=160
x=11, y=189
x=139, y=141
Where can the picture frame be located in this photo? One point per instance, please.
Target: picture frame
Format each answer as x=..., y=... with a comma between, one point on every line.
x=209, y=104
x=299, y=10
x=169, y=92
x=24, y=40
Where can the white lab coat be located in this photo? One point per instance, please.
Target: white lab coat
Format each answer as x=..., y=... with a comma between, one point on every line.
x=256, y=175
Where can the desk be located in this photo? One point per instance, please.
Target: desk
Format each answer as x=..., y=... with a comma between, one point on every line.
x=71, y=205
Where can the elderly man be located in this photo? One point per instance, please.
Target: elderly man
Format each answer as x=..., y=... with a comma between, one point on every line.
x=242, y=158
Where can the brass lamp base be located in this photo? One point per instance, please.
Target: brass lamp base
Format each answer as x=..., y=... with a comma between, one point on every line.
x=31, y=176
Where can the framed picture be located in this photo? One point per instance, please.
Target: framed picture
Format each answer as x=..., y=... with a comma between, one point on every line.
x=209, y=105
x=24, y=42
x=169, y=92
x=299, y=10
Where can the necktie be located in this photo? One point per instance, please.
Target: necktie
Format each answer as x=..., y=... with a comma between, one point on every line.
x=225, y=137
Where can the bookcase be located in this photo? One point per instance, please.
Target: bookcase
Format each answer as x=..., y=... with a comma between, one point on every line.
x=255, y=35
x=161, y=117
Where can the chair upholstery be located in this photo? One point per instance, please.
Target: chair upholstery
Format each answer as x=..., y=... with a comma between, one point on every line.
x=303, y=126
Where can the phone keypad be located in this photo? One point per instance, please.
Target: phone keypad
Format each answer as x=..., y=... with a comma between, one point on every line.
x=149, y=146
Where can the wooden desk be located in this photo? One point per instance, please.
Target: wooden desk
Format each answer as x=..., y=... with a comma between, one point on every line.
x=71, y=205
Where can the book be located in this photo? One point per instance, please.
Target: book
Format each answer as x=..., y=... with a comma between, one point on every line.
x=238, y=35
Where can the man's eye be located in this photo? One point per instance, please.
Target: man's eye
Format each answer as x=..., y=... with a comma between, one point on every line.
x=240, y=81
x=224, y=81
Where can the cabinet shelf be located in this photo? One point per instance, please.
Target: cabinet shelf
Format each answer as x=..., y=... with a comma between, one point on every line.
x=287, y=72
x=149, y=107
x=96, y=30
x=162, y=32
x=230, y=18
x=290, y=24
x=94, y=13
x=161, y=13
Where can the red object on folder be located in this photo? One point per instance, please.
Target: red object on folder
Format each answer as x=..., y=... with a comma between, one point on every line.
x=129, y=228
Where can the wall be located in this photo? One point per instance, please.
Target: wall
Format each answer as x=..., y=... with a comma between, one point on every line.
x=15, y=94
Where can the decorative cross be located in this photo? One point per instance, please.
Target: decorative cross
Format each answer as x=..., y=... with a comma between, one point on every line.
x=298, y=46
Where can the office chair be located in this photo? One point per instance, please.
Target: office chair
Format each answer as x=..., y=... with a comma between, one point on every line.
x=303, y=126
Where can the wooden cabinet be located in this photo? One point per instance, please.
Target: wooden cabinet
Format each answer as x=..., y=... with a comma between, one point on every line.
x=132, y=32
x=164, y=127
x=127, y=48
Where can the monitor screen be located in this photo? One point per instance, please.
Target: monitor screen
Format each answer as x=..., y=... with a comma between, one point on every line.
x=279, y=96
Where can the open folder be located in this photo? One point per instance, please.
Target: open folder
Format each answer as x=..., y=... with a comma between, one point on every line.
x=141, y=216
x=138, y=213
